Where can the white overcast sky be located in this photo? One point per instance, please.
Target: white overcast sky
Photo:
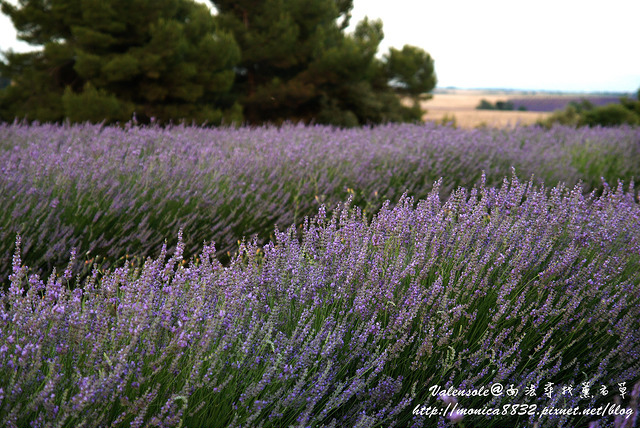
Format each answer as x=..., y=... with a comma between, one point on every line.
x=559, y=45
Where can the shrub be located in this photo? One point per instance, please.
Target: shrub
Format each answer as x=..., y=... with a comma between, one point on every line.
x=610, y=115
x=499, y=105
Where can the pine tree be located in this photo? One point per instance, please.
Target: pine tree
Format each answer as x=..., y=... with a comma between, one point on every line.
x=412, y=72
x=106, y=59
x=299, y=65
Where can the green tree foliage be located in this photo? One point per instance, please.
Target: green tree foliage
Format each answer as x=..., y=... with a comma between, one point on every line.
x=263, y=60
x=499, y=105
x=411, y=70
x=485, y=105
x=570, y=116
x=105, y=59
x=631, y=104
x=298, y=64
x=609, y=115
x=94, y=105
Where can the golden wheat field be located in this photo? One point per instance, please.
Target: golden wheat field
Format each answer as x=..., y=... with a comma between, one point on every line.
x=461, y=105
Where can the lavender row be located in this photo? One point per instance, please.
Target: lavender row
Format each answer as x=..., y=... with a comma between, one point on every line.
x=550, y=103
x=349, y=325
x=117, y=193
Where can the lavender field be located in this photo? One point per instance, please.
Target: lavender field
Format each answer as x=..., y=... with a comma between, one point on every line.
x=552, y=103
x=116, y=193
x=377, y=263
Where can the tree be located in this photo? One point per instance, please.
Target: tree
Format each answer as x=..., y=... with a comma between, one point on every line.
x=106, y=59
x=499, y=105
x=411, y=70
x=299, y=65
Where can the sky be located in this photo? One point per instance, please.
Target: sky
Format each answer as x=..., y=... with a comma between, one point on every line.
x=553, y=45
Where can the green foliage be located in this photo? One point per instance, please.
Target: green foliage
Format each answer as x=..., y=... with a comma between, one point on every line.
x=609, y=115
x=570, y=116
x=631, y=104
x=411, y=71
x=449, y=120
x=103, y=60
x=94, y=105
x=582, y=106
x=259, y=61
x=504, y=105
x=485, y=105
x=35, y=92
x=499, y=105
x=585, y=113
x=298, y=64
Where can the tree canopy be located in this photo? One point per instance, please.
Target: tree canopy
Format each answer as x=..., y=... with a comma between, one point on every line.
x=105, y=60
x=298, y=64
x=255, y=61
x=411, y=71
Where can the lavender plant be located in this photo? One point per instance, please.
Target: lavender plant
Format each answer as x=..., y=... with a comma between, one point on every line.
x=348, y=326
x=117, y=193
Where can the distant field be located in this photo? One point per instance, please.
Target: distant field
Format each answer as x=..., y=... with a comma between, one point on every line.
x=547, y=103
x=462, y=104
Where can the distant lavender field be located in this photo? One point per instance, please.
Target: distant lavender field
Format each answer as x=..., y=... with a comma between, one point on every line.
x=551, y=103
x=119, y=193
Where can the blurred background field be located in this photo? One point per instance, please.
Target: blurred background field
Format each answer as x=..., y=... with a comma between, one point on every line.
x=462, y=105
